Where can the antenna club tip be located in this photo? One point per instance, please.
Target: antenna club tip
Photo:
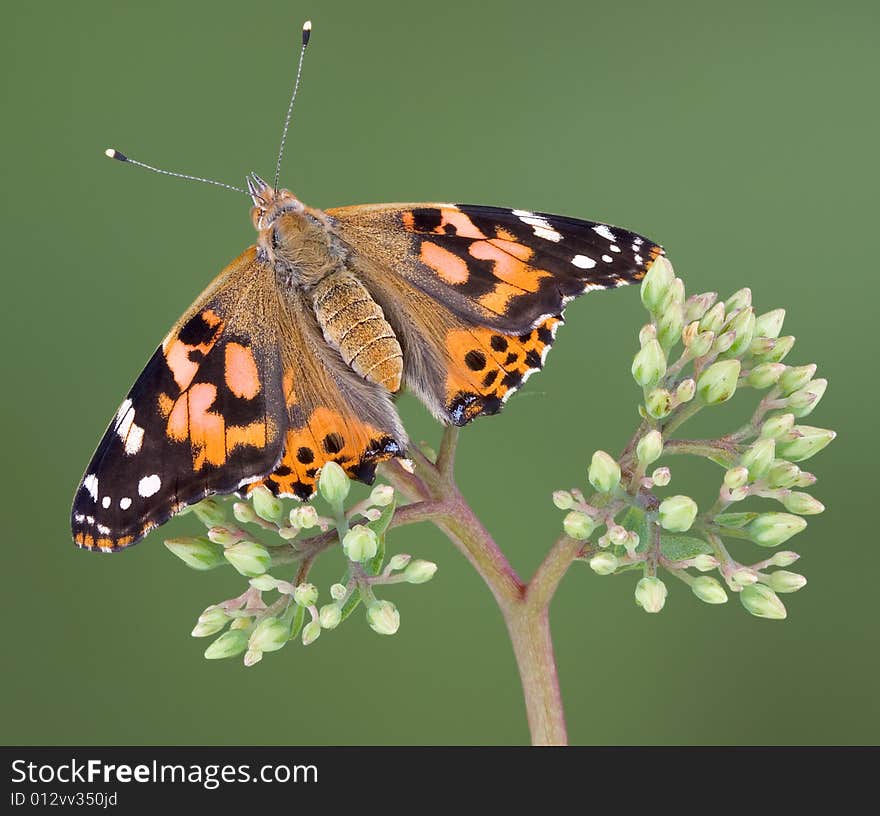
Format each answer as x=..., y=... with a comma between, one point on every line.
x=306, y=32
x=113, y=153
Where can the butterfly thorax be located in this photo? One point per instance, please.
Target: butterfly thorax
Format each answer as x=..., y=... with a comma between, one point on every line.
x=302, y=247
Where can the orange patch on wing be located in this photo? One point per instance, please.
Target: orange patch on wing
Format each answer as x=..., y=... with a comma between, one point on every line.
x=508, y=263
x=177, y=353
x=253, y=434
x=166, y=405
x=497, y=300
x=206, y=429
x=449, y=267
x=241, y=371
x=449, y=217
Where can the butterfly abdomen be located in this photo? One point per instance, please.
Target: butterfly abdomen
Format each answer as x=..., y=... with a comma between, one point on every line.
x=355, y=325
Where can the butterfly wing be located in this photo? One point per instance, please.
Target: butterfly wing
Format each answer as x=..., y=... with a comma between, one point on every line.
x=483, y=290
x=234, y=385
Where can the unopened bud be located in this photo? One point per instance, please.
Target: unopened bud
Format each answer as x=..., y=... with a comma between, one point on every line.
x=651, y=594
x=764, y=375
x=563, y=499
x=804, y=441
x=265, y=582
x=211, y=621
x=649, y=364
x=649, y=448
x=333, y=484
x=266, y=505
x=686, y=390
x=713, y=320
x=197, y=553
x=784, y=581
x=604, y=563
x=702, y=344
x=269, y=635
x=736, y=477
x=305, y=517
x=399, y=561
x=382, y=495
x=802, y=402
x=778, y=425
x=772, y=529
x=661, y=476
x=604, y=472
x=210, y=512
x=697, y=305
x=785, y=558
x=796, y=377
x=249, y=558
x=305, y=595
x=657, y=283
x=383, y=617
x=669, y=326
x=658, y=403
x=578, y=525
x=769, y=324
x=759, y=457
x=783, y=474
x=338, y=592
x=310, y=632
x=330, y=616
x=744, y=577
x=419, y=572
x=740, y=299
x=708, y=590
x=717, y=383
x=360, y=543
x=762, y=602
x=723, y=342
x=243, y=512
x=780, y=350
x=229, y=644
x=744, y=326
x=704, y=562
x=223, y=536
x=803, y=504
x=677, y=513
x=647, y=333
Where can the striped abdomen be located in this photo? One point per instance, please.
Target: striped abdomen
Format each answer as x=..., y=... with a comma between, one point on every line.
x=354, y=324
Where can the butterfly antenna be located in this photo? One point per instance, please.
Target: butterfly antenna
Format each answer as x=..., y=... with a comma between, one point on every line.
x=112, y=153
x=306, y=34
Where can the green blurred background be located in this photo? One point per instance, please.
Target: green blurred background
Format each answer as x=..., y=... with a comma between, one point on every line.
x=742, y=136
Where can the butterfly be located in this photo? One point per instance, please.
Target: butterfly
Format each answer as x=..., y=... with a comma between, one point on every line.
x=293, y=355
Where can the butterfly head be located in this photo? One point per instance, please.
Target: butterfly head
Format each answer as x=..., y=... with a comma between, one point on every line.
x=269, y=203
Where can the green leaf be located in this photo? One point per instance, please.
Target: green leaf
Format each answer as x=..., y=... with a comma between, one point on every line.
x=351, y=604
x=636, y=521
x=298, y=618
x=379, y=526
x=735, y=520
x=681, y=547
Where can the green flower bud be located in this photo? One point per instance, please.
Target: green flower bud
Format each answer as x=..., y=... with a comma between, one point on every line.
x=210, y=512
x=685, y=391
x=777, y=425
x=736, y=477
x=223, y=537
x=229, y=644
x=578, y=525
x=266, y=505
x=744, y=326
x=264, y=582
x=659, y=403
x=764, y=375
x=604, y=563
x=669, y=327
x=651, y=594
x=617, y=534
x=796, y=377
x=762, y=602
x=744, y=577
x=769, y=324
x=783, y=474
x=689, y=334
x=382, y=495
x=649, y=364
x=196, y=553
x=305, y=595
x=657, y=283
x=649, y=448
x=803, y=504
x=604, y=472
x=702, y=344
x=243, y=512
x=563, y=499
x=311, y=632
x=723, y=342
x=330, y=616
x=704, y=562
x=211, y=621
x=252, y=657
x=708, y=590
x=785, y=558
x=805, y=479
x=249, y=558
x=784, y=581
x=661, y=476
x=333, y=484
x=802, y=402
x=383, y=617
x=677, y=513
x=360, y=543
x=398, y=562
x=269, y=635
x=804, y=441
x=780, y=350
x=419, y=572
x=772, y=529
x=760, y=346
x=759, y=457
x=717, y=383
x=647, y=333
x=338, y=591
x=713, y=320
x=305, y=517
x=740, y=299
x=697, y=305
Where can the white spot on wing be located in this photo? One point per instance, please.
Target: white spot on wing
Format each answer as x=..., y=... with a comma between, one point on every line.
x=550, y=234
x=149, y=485
x=614, y=248
x=607, y=258
x=639, y=260
x=583, y=262
x=602, y=229
x=103, y=530
x=134, y=439
x=132, y=435
x=124, y=503
x=105, y=502
x=90, y=483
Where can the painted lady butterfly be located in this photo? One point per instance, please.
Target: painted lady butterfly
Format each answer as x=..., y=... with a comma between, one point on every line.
x=293, y=355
